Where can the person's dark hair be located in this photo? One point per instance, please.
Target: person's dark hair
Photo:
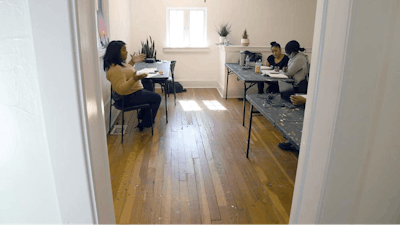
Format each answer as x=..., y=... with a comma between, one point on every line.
x=113, y=54
x=293, y=46
x=274, y=44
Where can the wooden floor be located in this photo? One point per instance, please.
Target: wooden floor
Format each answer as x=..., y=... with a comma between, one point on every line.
x=194, y=169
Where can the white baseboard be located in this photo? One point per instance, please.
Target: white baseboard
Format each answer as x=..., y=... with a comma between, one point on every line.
x=198, y=83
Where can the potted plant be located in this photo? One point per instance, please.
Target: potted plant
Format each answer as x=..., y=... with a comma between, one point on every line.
x=245, y=41
x=223, y=31
x=149, y=50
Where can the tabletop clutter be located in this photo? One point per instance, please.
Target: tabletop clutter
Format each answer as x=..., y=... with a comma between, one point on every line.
x=151, y=72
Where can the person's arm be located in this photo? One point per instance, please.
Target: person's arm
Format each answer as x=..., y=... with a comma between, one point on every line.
x=137, y=58
x=120, y=84
x=295, y=66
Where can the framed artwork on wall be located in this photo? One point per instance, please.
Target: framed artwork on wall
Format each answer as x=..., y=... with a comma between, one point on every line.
x=103, y=33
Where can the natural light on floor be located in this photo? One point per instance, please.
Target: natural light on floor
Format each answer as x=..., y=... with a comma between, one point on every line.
x=190, y=106
x=213, y=105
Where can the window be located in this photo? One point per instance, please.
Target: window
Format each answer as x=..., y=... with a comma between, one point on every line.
x=187, y=27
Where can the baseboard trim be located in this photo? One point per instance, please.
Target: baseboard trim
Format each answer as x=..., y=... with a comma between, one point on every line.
x=198, y=83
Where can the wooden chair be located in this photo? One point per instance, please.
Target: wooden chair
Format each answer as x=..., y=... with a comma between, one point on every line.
x=123, y=108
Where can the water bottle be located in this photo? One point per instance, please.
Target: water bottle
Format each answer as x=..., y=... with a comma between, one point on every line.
x=258, y=66
x=247, y=61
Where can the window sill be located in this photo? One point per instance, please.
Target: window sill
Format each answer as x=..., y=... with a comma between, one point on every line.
x=186, y=49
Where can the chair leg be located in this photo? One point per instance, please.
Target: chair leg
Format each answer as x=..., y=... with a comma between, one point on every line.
x=173, y=86
x=166, y=88
x=122, y=130
x=152, y=122
x=109, y=122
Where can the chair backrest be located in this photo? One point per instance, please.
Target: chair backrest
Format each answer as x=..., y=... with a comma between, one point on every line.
x=115, y=96
x=172, y=67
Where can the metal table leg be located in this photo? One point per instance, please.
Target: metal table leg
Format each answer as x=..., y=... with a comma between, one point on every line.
x=244, y=98
x=244, y=101
x=248, y=139
x=227, y=80
x=166, y=103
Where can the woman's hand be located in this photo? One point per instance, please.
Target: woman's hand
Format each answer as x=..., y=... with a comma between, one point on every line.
x=137, y=77
x=298, y=100
x=137, y=58
x=142, y=76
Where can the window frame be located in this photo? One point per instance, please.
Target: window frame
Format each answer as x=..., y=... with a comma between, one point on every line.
x=186, y=27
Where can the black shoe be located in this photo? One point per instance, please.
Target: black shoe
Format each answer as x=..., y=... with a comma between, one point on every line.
x=286, y=146
x=140, y=126
x=145, y=124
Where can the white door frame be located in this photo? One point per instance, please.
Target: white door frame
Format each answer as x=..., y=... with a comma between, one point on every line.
x=72, y=108
x=320, y=118
x=348, y=163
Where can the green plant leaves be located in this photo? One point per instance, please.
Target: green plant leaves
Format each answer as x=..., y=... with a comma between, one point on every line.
x=224, y=29
x=148, y=48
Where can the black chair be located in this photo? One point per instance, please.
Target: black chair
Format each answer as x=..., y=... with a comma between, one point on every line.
x=123, y=108
x=171, y=80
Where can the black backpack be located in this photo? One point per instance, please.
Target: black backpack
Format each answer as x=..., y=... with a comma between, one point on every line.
x=253, y=56
x=178, y=88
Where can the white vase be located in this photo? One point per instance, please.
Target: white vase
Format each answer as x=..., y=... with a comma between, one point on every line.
x=221, y=39
x=245, y=42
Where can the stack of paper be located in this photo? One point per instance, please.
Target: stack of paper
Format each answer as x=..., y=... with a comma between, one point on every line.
x=273, y=74
x=266, y=67
x=147, y=70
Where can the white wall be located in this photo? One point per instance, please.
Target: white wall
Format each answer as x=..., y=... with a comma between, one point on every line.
x=348, y=169
x=265, y=20
x=120, y=20
x=117, y=13
x=50, y=136
x=27, y=191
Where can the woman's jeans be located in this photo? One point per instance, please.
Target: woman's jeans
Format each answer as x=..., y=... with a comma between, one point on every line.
x=302, y=87
x=144, y=97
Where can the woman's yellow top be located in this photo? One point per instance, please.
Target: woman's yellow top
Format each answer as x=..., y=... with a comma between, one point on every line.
x=121, y=79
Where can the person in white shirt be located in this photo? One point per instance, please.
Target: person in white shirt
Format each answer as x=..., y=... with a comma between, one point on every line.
x=297, y=66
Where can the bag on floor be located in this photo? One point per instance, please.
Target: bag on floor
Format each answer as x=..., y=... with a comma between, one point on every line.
x=178, y=88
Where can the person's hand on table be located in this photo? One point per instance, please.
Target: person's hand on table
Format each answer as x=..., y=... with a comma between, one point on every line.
x=137, y=58
x=298, y=100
